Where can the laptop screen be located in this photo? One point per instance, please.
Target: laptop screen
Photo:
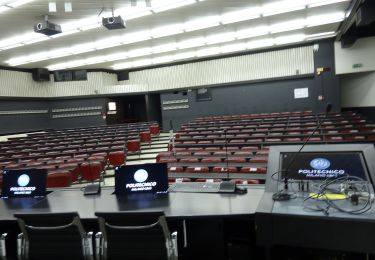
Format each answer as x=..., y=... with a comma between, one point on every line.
x=143, y=178
x=24, y=183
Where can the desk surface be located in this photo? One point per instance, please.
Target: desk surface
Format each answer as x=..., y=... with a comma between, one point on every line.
x=173, y=204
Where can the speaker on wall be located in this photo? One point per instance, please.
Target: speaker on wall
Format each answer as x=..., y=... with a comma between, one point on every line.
x=40, y=74
x=123, y=75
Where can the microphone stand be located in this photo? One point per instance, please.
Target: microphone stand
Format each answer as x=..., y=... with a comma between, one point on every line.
x=281, y=195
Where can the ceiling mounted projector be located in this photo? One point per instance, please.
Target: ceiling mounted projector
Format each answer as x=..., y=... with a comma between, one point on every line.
x=113, y=23
x=47, y=28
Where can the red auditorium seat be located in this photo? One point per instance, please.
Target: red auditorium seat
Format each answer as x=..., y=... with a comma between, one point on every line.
x=76, y=160
x=259, y=160
x=168, y=160
x=243, y=153
x=35, y=164
x=235, y=160
x=204, y=142
x=154, y=130
x=189, y=160
x=73, y=168
x=116, y=158
x=224, y=169
x=26, y=161
x=211, y=160
x=208, y=180
x=133, y=146
x=145, y=137
x=175, y=169
x=55, y=162
x=101, y=154
x=49, y=168
x=195, y=149
x=13, y=166
x=82, y=155
x=65, y=157
x=202, y=153
x=249, y=148
x=237, y=141
x=222, y=153
x=197, y=169
x=163, y=154
x=296, y=139
x=59, y=179
x=91, y=171
x=100, y=159
x=182, y=153
x=253, y=170
x=355, y=137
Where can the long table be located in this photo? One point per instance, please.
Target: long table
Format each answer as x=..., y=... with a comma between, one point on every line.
x=205, y=222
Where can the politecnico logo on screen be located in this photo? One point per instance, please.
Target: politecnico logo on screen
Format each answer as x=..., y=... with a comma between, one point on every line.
x=321, y=169
x=22, y=189
x=141, y=184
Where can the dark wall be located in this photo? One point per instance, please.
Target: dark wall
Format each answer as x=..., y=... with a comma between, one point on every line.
x=81, y=121
x=153, y=108
x=240, y=99
x=327, y=84
x=267, y=96
x=23, y=122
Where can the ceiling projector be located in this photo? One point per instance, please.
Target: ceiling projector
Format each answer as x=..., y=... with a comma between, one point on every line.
x=113, y=23
x=47, y=28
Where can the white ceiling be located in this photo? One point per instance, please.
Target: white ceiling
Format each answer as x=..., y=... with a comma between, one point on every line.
x=19, y=21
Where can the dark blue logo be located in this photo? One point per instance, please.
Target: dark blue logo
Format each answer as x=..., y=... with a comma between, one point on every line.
x=320, y=164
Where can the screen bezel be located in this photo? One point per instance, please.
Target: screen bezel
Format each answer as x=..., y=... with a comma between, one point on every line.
x=283, y=173
x=131, y=168
x=273, y=165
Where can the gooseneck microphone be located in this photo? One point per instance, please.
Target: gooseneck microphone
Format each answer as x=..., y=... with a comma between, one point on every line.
x=280, y=195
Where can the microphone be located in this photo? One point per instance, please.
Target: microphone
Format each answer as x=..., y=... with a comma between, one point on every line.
x=226, y=184
x=226, y=153
x=278, y=196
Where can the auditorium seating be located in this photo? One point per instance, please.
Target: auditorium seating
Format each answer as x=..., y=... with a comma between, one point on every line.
x=67, y=149
x=208, y=145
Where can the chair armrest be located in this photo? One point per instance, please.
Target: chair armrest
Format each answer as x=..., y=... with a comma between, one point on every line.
x=87, y=245
x=20, y=246
x=3, y=250
x=174, y=244
x=98, y=245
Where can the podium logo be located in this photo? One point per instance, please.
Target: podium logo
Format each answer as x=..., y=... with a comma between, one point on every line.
x=23, y=180
x=320, y=164
x=140, y=175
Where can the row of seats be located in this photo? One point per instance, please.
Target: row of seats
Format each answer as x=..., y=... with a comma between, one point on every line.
x=264, y=116
x=64, y=170
x=236, y=181
x=217, y=169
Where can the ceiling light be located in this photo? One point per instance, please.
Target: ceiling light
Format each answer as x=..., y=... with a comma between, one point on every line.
x=139, y=52
x=163, y=59
x=289, y=39
x=116, y=56
x=325, y=19
x=287, y=26
x=282, y=7
x=317, y=36
x=260, y=43
x=221, y=37
x=143, y=62
x=190, y=43
x=95, y=60
x=64, y=33
x=242, y=15
x=167, y=30
x=44, y=38
x=324, y=2
x=124, y=65
x=252, y=32
x=202, y=23
x=136, y=37
x=184, y=55
x=233, y=47
x=173, y=6
x=208, y=51
x=164, y=47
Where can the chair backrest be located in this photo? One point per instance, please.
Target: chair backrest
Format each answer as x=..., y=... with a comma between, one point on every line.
x=130, y=235
x=53, y=236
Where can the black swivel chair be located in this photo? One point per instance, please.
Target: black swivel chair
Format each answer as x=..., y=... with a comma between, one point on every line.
x=53, y=236
x=3, y=250
x=135, y=235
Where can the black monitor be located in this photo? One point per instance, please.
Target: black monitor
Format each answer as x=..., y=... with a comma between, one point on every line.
x=319, y=162
x=142, y=178
x=24, y=183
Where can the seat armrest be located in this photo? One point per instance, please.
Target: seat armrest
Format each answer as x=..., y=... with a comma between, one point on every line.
x=98, y=246
x=87, y=246
x=174, y=244
x=20, y=246
x=3, y=250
